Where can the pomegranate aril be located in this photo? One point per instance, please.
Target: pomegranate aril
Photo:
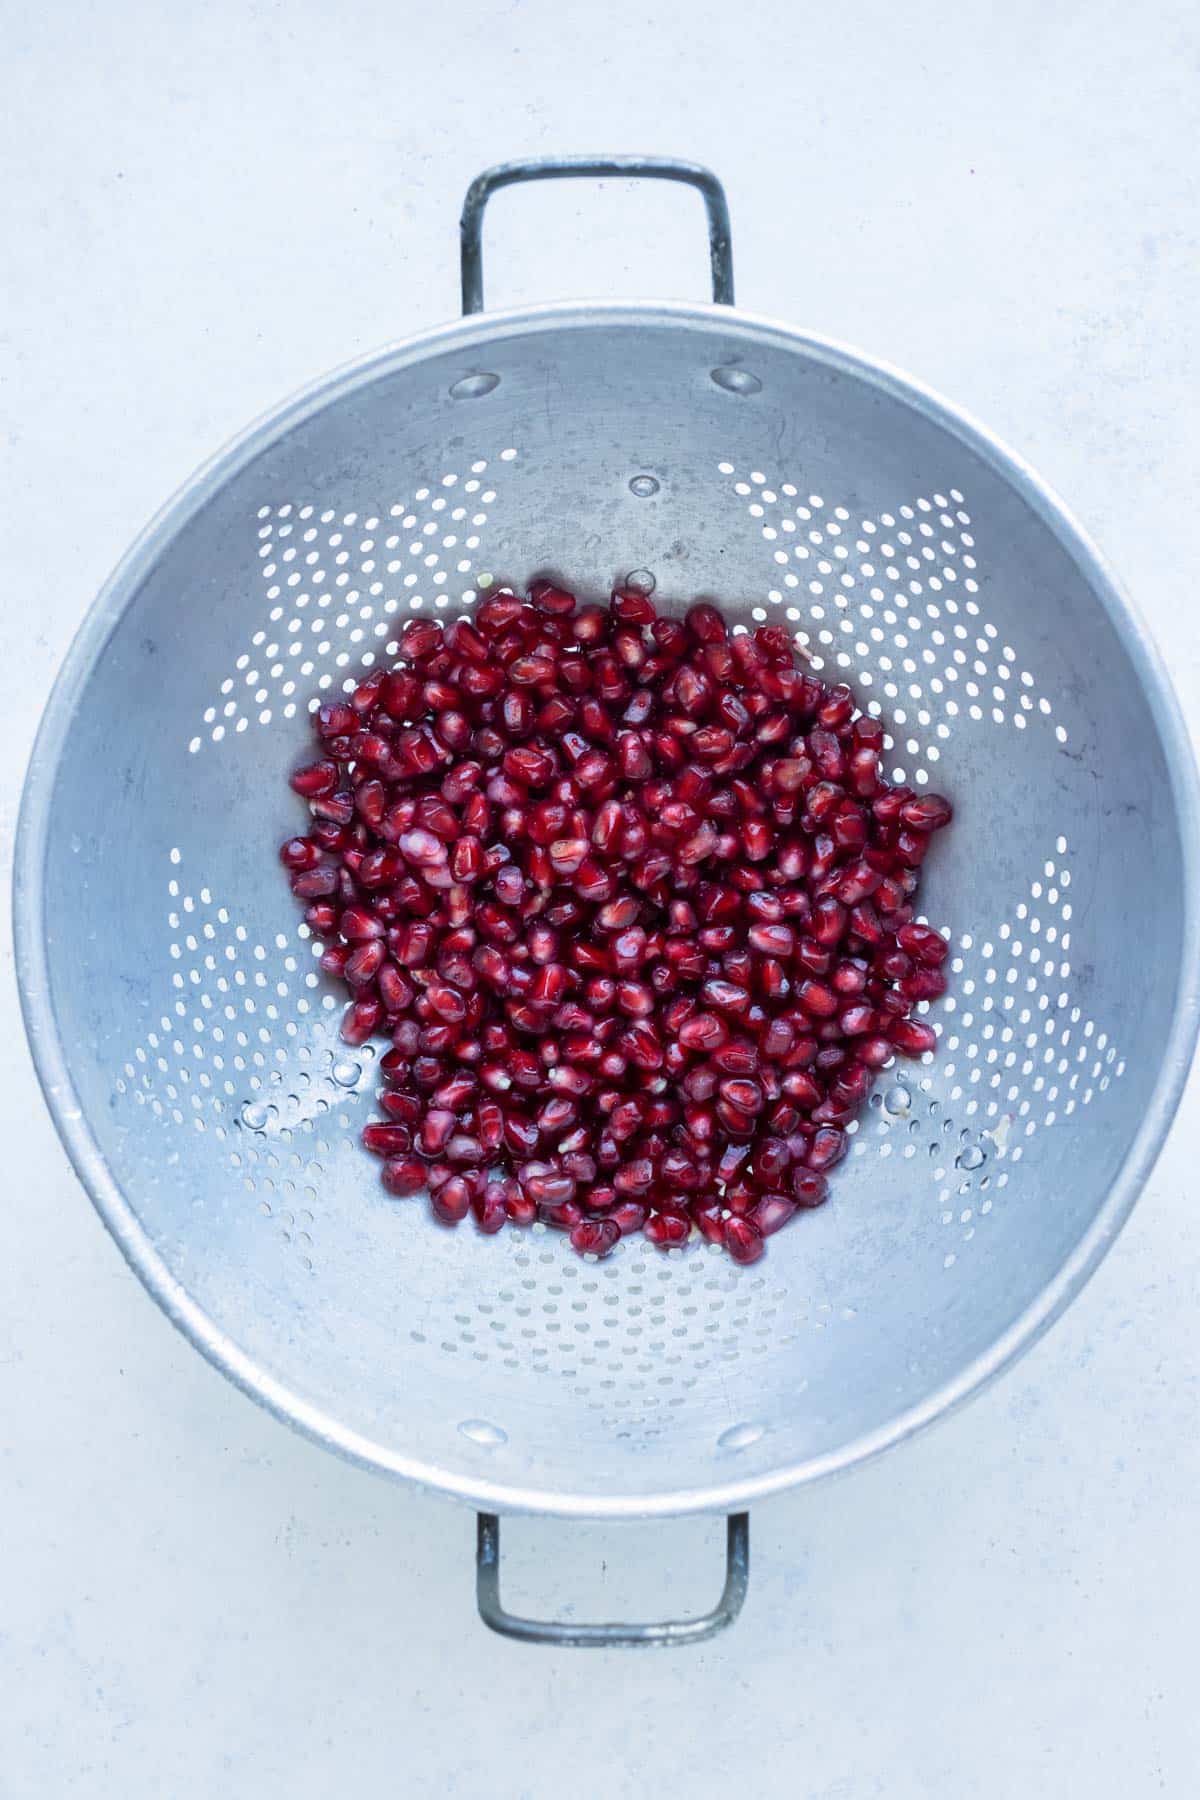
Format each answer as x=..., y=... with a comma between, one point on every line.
x=927, y=812
x=743, y=1240
x=403, y=1175
x=451, y=1202
x=809, y=1187
x=520, y=1209
x=387, y=1140
x=362, y=965
x=923, y=942
x=772, y=1213
x=360, y=1021
x=316, y=884
x=489, y=1209
x=912, y=1038
x=300, y=853
x=827, y=1148
x=924, y=984
x=315, y=779
x=560, y=1215
x=336, y=719
x=595, y=1237
x=667, y=1230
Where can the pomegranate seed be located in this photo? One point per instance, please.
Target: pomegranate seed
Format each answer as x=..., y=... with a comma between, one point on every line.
x=595, y=1237
x=706, y=623
x=743, y=1240
x=827, y=1148
x=362, y=965
x=772, y=1213
x=924, y=984
x=772, y=940
x=628, y=1216
x=315, y=779
x=667, y=1230
x=912, y=1038
x=360, y=1021
x=404, y=1175
x=387, y=1140
x=300, y=853
x=927, y=945
x=451, y=1202
x=809, y=1187
x=489, y=1209
x=520, y=1209
x=926, y=812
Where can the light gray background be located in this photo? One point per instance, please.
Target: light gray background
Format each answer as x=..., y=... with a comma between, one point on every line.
x=203, y=208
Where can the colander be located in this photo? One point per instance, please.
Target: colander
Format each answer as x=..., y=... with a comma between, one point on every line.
x=188, y=1044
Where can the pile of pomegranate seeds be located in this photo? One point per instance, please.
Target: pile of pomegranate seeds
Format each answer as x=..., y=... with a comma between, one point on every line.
x=633, y=901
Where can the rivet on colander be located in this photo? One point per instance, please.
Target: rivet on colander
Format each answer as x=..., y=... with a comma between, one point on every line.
x=481, y=1432
x=736, y=381
x=473, y=387
x=740, y=1437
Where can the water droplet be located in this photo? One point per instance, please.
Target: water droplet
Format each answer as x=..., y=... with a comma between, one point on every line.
x=346, y=1073
x=897, y=1100
x=255, y=1114
x=481, y=1432
x=740, y=1437
x=970, y=1157
x=643, y=486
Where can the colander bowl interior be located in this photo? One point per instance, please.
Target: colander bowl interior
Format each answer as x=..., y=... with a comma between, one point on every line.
x=189, y=1044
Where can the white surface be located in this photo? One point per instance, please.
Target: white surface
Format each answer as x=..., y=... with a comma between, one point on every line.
x=212, y=205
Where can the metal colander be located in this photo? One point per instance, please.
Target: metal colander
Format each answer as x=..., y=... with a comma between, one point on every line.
x=189, y=1045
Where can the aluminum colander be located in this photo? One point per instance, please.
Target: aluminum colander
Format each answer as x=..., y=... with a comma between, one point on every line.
x=188, y=1044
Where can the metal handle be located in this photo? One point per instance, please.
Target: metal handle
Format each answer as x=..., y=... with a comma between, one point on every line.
x=660, y=168
x=608, y=1637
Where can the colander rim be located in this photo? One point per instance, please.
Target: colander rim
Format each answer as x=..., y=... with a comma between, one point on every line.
x=32, y=962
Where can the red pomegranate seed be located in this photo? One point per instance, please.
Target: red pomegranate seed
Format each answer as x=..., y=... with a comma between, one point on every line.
x=772, y=1213
x=743, y=1240
x=595, y=1237
x=560, y=1215
x=921, y=941
x=520, y=1209
x=827, y=1148
x=451, y=1202
x=404, y=1175
x=489, y=1209
x=628, y=1216
x=360, y=1021
x=300, y=853
x=926, y=812
x=667, y=1230
x=912, y=1038
x=809, y=1187
x=315, y=779
x=924, y=984
x=387, y=1140
x=817, y=999
x=551, y=599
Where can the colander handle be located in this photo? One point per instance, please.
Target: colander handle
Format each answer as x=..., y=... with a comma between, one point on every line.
x=658, y=168
x=608, y=1637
